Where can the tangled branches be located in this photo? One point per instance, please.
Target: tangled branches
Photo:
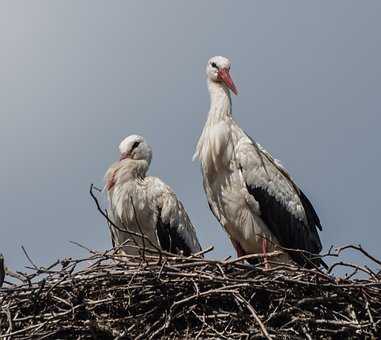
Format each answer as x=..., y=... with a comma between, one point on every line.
x=156, y=295
x=124, y=297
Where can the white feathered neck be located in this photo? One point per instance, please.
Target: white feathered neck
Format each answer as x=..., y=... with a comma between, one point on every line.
x=126, y=170
x=220, y=109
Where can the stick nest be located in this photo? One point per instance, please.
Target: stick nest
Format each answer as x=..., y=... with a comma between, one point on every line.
x=109, y=296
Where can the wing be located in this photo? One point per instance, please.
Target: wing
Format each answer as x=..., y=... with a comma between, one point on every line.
x=284, y=208
x=175, y=231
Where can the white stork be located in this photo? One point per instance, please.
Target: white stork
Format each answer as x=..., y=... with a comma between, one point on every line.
x=249, y=192
x=145, y=204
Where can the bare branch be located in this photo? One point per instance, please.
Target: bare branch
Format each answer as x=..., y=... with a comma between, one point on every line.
x=117, y=294
x=2, y=270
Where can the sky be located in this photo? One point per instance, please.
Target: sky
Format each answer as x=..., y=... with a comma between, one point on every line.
x=79, y=76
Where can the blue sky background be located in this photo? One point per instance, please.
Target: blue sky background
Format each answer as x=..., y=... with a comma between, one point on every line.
x=78, y=76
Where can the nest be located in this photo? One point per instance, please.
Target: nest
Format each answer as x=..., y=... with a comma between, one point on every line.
x=156, y=295
x=111, y=296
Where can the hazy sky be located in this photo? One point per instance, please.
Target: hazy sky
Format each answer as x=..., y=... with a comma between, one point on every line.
x=78, y=76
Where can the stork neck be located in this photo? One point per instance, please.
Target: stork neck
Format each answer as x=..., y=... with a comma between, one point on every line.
x=220, y=102
x=132, y=169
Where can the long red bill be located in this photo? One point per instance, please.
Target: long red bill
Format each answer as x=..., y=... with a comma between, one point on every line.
x=223, y=75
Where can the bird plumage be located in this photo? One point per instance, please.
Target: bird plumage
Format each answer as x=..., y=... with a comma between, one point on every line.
x=144, y=203
x=249, y=192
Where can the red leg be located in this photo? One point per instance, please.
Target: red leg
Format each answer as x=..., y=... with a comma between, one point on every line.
x=238, y=248
x=264, y=251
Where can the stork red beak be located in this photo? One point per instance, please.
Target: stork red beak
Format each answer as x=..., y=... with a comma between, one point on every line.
x=223, y=75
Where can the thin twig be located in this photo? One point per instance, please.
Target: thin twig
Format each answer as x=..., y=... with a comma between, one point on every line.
x=29, y=259
x=2, y=270
x=240, y=298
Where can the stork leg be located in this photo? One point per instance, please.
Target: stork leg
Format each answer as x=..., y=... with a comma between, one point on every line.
x=238, y=248
x=264, y=252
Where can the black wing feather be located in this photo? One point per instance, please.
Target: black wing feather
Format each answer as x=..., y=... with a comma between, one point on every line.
x=170, y=240
x=290, y=231
x=312, y=217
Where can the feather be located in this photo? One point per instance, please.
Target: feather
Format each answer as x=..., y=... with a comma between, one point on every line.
x=145, y=204
x=251, y=193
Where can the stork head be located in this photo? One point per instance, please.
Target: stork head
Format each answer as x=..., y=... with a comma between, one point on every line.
x=217, y=70
x=135, y=147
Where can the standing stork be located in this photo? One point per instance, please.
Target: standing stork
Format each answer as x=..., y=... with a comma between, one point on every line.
x=145, y=205
x=249, y=192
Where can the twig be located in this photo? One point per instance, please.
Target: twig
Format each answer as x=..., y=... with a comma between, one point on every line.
x=186, y=297
x=240, y=298
x=140, y=229
x=29, y=259
x=2, y=270
x=126, y=230
x=360, y=249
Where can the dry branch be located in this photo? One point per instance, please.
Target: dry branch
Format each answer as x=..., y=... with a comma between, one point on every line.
x=2, y=270
x=122, y=297
x=174, y=297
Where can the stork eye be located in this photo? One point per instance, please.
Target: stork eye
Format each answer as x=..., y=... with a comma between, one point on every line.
x=136, y=144
x=214, y=65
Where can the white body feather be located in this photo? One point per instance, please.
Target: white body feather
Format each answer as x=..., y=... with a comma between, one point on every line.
x=137, y=201
x=230, y=160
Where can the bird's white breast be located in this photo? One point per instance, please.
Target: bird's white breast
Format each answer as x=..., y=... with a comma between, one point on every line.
x=228, y=196
x=132, y=208
x=222, y=179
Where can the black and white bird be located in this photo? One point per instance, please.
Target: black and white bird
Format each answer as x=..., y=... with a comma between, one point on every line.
x=144, y=203
x=249, y=192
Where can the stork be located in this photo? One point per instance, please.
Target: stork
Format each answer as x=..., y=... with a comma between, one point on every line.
x=145, y=205
x=249, y=192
